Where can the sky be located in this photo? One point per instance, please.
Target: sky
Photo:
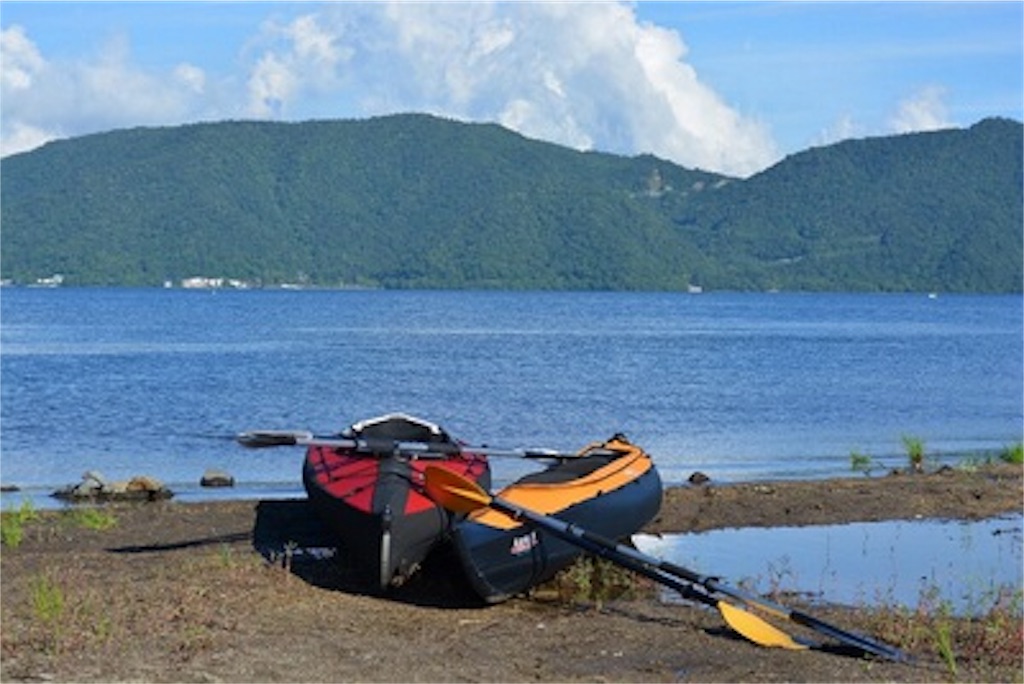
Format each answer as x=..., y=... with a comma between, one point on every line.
x=729, y=87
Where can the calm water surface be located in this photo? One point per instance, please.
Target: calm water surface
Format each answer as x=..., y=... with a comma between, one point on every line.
x=736, y=385
x=965, y=565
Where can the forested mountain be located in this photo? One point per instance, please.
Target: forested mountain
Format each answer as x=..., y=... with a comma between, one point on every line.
x=417, y=201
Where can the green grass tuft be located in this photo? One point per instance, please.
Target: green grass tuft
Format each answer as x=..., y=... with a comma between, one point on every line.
x=91, y=518
x=12, y=524
x=1014, y=453
x=915, y=452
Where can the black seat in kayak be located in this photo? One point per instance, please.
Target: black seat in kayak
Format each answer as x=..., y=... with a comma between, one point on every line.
x=572, y=468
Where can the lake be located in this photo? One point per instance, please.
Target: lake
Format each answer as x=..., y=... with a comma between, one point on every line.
x=739, y=386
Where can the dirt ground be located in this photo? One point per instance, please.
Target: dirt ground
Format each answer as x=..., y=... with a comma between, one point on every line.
x=231, y=592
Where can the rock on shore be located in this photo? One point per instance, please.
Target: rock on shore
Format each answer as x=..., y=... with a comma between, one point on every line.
x=95, y=487
x=215, y=477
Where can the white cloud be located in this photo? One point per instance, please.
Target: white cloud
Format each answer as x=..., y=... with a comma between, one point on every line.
x=583, y=75
x=22, y=137
x=20, y=67
x=20, y=60
x=698, y=125
x=271, y=85
x=190, y=76
x=312, y=43
x=299, y=59
x=925, y=110
x=41, y=100
x=588, y=75
x=844, y=128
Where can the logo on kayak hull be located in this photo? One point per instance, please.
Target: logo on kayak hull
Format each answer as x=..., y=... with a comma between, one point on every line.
x=523, y=544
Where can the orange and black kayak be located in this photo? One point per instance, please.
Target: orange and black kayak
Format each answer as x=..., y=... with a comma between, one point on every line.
x=612, y=489
x=367, y=487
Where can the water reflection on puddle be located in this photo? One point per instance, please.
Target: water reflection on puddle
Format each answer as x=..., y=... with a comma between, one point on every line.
x=894, y=562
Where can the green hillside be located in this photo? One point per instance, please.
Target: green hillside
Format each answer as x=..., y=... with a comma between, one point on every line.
x=416, y=201
x=929, y=211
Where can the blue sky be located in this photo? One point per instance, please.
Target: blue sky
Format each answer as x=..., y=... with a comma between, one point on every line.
x=725, y=86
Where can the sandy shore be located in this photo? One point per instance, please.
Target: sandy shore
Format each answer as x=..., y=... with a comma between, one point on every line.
x=195, y=592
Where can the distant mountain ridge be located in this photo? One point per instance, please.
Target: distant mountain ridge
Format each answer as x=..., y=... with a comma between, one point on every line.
x=414, y=201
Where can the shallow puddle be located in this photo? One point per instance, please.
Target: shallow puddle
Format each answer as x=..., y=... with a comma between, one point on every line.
x=962, y=564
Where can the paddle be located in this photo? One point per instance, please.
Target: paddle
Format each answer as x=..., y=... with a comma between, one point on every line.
x=459, y=494
x=463, y=496
x=260, y=439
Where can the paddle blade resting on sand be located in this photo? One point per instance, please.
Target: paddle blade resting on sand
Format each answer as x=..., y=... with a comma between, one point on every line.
x=456, y=493
x=460, y=495
x=756, y=629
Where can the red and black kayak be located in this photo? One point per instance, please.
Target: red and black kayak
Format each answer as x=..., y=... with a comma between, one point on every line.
x=368, y=489
x=612, y=489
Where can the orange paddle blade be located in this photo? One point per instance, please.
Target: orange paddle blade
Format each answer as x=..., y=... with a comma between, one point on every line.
x=454, y=492
x=756, y=629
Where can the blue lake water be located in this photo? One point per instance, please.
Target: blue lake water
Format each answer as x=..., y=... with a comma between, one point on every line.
x=739, y=386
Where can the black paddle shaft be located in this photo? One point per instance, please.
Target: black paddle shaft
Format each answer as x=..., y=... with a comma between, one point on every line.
x=589, y=542
x=670, y=574
x=608, y=549
x=850, y=638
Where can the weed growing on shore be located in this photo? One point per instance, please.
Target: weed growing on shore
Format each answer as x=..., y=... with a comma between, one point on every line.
x=992, y=636
x=48, y=603
x=69, y=612
x=915, y=452
x=91, y=518
x=863, y=463
x=777, y=574
x=985, y=632
x=595, y=579
x=1013, y=453
x=226, y=556
x=860, y=463
x=944, y=645
x=13, y=521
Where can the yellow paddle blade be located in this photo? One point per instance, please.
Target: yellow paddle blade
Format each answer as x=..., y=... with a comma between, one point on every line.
x=756, y=629
x=453, y=491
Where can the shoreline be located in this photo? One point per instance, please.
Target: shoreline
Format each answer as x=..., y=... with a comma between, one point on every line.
x=945, y=492
x=41, y=497
x=948, y=493
x=171, y=591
